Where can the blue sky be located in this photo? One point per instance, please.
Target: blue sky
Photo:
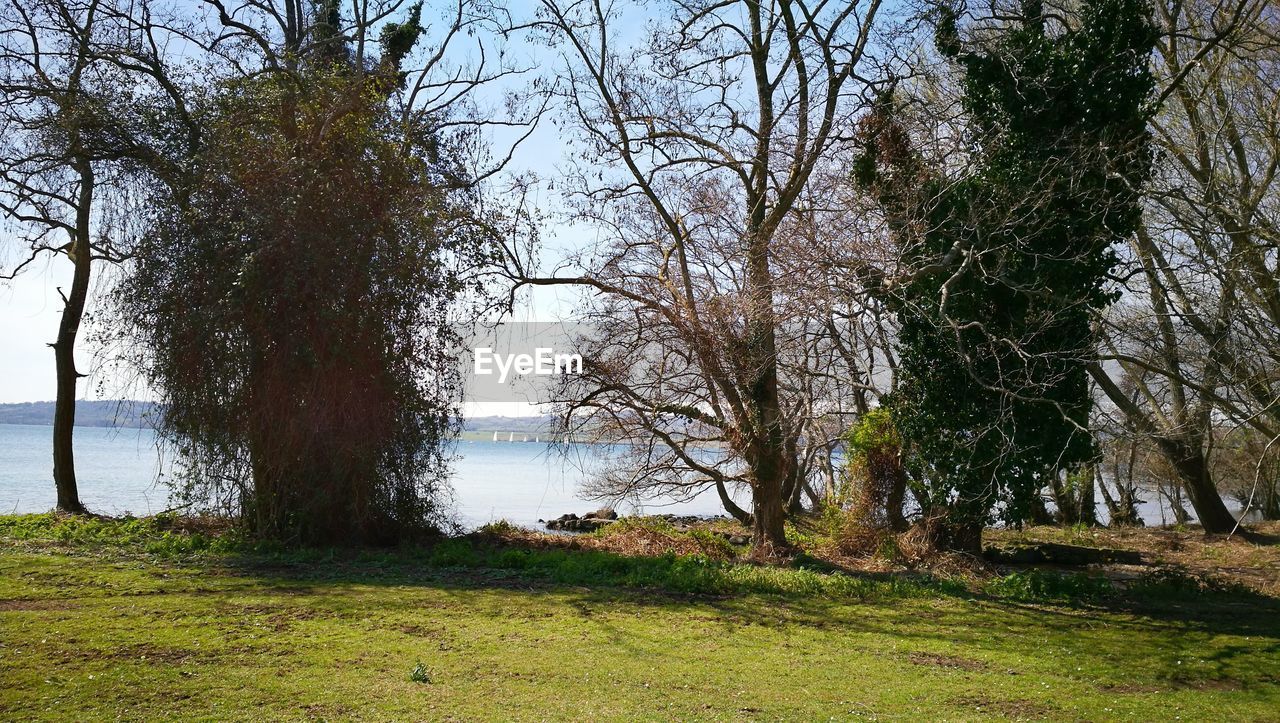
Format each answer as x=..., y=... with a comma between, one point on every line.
x=30, y=306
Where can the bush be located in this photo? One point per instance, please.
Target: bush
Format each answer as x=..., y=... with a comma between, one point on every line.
x=874, y=485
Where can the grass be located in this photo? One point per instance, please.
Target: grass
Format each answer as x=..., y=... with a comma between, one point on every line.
x=164, y=618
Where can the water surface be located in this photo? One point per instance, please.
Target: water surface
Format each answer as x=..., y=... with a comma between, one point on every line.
x=119, y=471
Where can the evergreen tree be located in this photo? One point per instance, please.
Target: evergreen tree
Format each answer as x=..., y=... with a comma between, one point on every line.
x=1011, y=260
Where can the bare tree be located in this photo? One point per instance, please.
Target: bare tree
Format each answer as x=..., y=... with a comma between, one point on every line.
x=60, y=177
x=1197, y=336
x=695, y=138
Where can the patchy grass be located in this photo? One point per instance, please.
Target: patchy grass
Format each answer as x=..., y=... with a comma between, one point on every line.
x=1250, y=560
x=115, y=625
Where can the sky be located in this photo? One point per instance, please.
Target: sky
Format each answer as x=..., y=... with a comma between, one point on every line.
x=30, y=308
x=29, y=313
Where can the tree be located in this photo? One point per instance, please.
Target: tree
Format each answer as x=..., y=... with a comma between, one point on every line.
x=292, y=298
x=695, y=144
x=1197, y=339
x=1008, y=263
x=61, y=174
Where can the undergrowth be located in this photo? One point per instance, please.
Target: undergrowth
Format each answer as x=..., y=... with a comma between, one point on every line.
x=698, y=562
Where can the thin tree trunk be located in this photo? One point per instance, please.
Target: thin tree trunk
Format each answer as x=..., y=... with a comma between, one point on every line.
x=1060, y=500
x=64, y=349
x=1088, y=509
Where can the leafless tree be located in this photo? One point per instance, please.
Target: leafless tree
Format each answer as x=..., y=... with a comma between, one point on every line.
x=1197, y=336
x=695, y=138
x=63, y=182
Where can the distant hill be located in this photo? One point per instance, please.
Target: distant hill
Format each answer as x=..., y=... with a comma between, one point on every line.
x=533, y=425
x=101, y=413
x=128, y=413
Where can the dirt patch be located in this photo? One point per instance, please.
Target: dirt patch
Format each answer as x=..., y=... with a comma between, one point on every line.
x=145, y=653
x=1252, y=561
x=1129, y=688
x=1017, y=708
x=938, y=660
x=1224, y=684
x=625, y=538
x=328, y=711
x=23, y=605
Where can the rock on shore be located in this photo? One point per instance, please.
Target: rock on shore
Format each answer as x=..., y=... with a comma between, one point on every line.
x=590, y=522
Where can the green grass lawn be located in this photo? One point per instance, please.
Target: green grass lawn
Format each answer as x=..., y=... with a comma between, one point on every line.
x=144, y=631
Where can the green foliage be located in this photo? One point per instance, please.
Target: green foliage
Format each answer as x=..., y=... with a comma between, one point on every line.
x=397, y=39
x=713, y=546
x=677, y=573
x=169, y=537
x=497, y=528
x=873, y=482
x=994, y=340
x=420, y=673
x=160, y=535
x=874, y=432
x=1049, y=586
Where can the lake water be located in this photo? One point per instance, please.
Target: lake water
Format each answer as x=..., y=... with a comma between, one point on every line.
x=117, y=471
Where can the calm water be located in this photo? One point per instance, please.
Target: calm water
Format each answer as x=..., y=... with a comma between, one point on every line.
x=117, y=471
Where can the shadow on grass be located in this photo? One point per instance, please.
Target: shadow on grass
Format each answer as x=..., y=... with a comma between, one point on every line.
x=1154, y=633
x=807, y=589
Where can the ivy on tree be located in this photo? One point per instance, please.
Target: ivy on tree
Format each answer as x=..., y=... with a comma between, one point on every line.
x=1010, y=262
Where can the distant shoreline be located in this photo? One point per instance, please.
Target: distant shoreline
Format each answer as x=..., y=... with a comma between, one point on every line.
x=133, y=414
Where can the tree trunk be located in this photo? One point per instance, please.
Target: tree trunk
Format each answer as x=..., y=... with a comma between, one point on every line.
x=769, y=461
x=1038, y=513
x=770, y=467
x=64, y=352
x=946, y=533
x=896, y=499
x=1193, y=471
x=768, y=531
x=1122, y=509
x=1088, y=508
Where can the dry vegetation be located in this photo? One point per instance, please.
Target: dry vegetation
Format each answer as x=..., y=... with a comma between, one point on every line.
x=1251, y=560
